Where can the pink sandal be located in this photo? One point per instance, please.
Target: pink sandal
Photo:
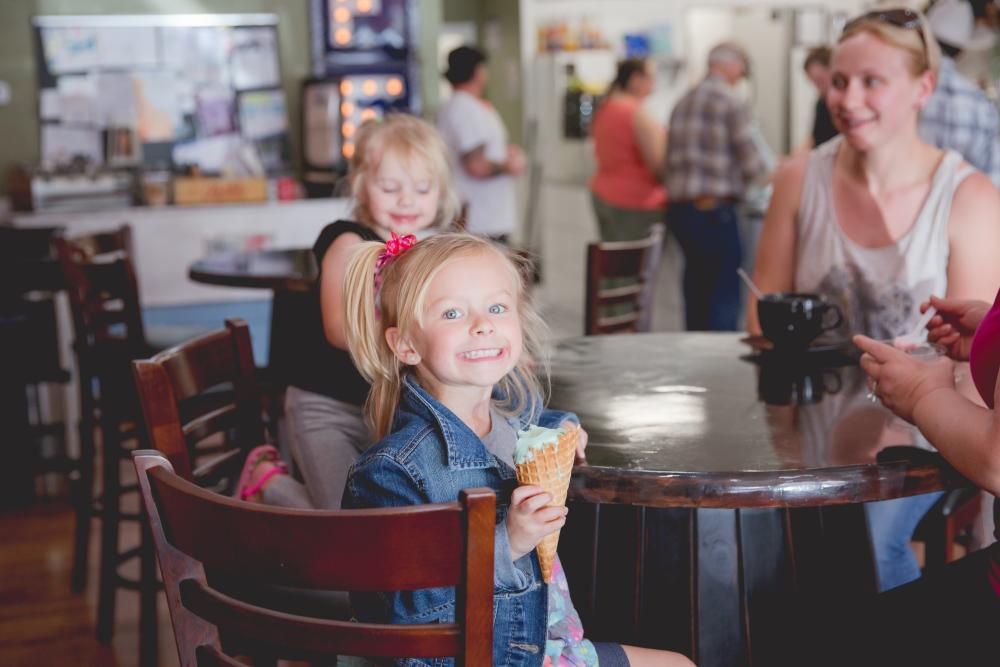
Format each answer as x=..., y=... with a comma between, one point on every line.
x=246, y=488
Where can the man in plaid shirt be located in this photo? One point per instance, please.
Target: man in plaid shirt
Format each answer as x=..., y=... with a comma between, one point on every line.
x=712, y=157
x=959, y=115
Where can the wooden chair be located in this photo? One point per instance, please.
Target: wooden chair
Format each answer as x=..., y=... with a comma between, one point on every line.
x=941, y=528
x=405, y=548
x=620, y=280
x=200, y=399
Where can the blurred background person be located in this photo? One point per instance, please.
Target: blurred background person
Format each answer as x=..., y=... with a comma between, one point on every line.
x=712, y=158
x=629, y=146
x=959, y=115
x=485, y=164
x=817, y=68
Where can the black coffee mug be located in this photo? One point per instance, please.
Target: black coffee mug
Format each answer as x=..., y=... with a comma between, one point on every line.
x=792, y=321
x=780, y=383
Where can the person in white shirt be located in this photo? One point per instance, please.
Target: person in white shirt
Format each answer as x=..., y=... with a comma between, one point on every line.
x=485, y=164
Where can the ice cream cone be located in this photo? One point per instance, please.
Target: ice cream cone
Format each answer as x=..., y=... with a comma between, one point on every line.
x=550, y=468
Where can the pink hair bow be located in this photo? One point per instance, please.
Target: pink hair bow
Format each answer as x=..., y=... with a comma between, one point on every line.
x=394, y=247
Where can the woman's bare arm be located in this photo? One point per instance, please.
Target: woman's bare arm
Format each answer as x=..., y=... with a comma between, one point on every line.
x=774, y=266
x=331, y=286
x=974, y=237
x=651, y=138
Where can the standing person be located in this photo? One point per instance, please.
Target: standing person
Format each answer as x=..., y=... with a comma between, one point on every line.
x=877, y=220
x=485, y=164
x=817, y=68
x=959, y=115
x=402, y=185
x=629, y=145
x=451, y=357
x=712, y=157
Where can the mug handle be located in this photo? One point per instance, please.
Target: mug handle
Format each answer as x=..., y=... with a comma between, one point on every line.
x=840, y=316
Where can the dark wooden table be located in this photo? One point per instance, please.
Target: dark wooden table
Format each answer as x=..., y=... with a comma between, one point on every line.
x=290, y=274
x=721, y=496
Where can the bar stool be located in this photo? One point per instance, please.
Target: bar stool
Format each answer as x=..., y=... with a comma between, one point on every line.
x=109, y=334
x=30, y=277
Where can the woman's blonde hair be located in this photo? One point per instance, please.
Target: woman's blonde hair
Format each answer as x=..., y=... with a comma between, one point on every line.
x=405, y=280
x=410, y=139
x=918, y=42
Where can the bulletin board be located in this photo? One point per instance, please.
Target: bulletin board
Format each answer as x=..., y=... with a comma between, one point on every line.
x=162, y=91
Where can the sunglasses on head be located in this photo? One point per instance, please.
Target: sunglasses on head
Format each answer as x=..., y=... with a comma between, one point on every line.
x=900, y=18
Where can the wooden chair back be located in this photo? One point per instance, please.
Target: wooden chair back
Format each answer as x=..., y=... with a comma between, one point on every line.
x=203, y=392
x=398, y=549
x=107, y=316
x=620, y=279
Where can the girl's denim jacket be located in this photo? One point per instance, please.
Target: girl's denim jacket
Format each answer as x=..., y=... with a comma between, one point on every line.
x=429, y=457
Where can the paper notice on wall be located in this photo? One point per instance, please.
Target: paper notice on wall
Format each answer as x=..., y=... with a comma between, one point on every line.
x=216, y=111
x=116, y=100
x=262, y=114
x=78, y=102
x=131, y=47
x=61, y=143
x=69, y=49
x=159, y=114
x=48, y=104
x=254, y=58
x=211, y=155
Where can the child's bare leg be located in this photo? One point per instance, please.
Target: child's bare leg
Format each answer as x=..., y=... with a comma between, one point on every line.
x=649, y=657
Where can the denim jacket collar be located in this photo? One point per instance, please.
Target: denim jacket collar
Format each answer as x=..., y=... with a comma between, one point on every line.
x=465, y=449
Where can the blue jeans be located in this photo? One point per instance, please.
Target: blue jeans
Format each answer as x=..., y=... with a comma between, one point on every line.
x=891, y=524
x=710, y=239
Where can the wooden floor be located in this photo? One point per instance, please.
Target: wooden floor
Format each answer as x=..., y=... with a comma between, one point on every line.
x=41, y=621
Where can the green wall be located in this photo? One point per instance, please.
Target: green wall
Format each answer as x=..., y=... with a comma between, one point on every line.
x=19, y=118
x=497, y=19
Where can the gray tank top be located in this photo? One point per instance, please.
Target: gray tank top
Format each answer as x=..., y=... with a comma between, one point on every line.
x=879, y=290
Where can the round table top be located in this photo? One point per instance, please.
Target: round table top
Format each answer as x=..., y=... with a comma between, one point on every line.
x=691, y=420
x=292, y=269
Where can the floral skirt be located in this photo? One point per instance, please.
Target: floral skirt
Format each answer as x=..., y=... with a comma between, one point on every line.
x=565, y=645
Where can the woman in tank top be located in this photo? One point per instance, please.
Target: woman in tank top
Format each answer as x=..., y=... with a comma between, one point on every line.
x=878, y=221
x=629, y=146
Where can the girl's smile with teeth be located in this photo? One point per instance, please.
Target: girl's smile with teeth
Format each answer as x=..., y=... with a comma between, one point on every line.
x=485, y=353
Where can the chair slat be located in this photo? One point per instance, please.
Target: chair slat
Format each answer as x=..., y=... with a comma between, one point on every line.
x=302, y=637
x=226, y=538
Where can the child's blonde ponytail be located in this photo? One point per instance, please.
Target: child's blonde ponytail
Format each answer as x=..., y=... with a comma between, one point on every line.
x=366, y=339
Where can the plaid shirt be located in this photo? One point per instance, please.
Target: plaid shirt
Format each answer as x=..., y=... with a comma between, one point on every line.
x=960, y=116
x=710, y=147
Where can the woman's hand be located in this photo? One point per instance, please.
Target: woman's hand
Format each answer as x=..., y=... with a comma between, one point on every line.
x=954, y=324
x=900, y=381
x=581, y=441
x=529, y=519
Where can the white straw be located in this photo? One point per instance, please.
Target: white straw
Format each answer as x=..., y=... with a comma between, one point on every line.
x=753, y=288
x=919, y=329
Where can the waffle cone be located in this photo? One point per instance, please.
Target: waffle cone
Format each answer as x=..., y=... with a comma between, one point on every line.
x=550, y=469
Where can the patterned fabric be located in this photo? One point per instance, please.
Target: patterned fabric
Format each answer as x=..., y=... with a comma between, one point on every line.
x=565, y=645
x=878, y=289
x=710, y=146
x=960, y=116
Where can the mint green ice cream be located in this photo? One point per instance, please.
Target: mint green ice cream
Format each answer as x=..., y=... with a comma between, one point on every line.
x=533, y=439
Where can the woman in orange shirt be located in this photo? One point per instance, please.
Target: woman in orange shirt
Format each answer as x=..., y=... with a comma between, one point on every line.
x=629, y=145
